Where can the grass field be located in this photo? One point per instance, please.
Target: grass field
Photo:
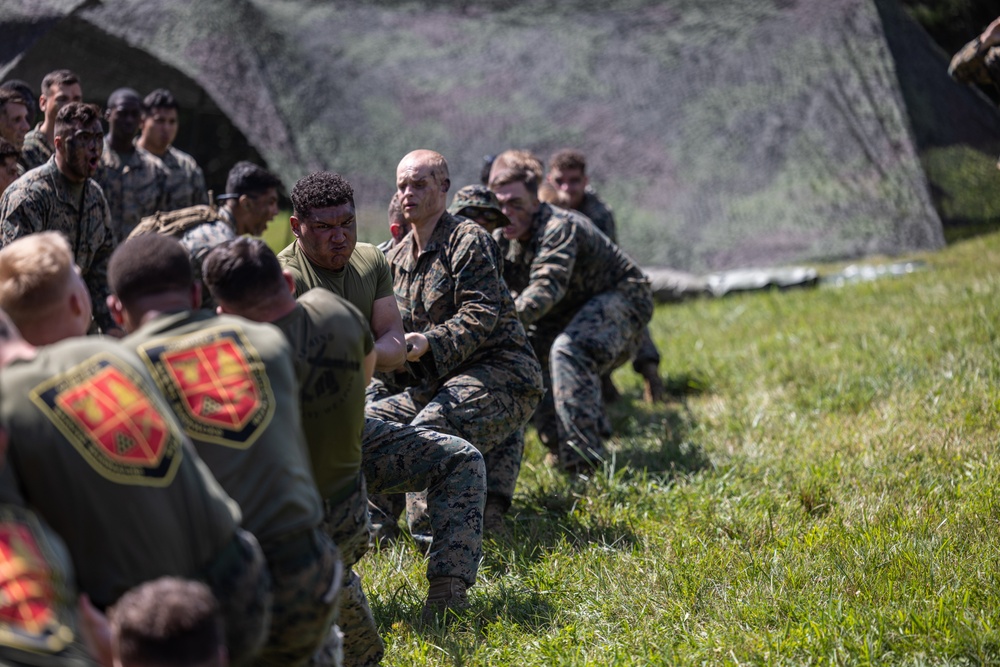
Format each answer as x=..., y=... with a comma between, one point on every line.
x=826, y=491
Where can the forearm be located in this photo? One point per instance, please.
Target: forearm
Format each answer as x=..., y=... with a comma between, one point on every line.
x=390, y=352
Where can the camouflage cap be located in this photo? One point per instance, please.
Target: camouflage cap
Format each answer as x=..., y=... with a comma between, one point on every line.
x=483, y=201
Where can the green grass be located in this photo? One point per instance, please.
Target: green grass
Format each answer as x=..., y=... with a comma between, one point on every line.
x=827, y=492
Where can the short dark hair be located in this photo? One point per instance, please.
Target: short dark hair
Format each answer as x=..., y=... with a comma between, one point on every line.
x=161, y=98
x=167, y=621
x=321, y=189
x=8, y=149
x=27, y=96
x=76, y=113
x=246, y=178
x=568, y=158
x=242, y=272
x=60, y=77
x=10, y=96
x=146, y=265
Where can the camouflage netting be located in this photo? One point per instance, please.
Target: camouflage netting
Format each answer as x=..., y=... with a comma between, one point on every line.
x=724, y=134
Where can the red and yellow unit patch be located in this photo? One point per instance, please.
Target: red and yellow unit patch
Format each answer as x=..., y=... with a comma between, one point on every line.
x=104, y=411
x=33, y=594
x=217, y=384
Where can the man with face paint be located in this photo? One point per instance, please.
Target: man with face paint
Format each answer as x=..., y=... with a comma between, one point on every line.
x=134, y=181
x=470, y=369
x=585, y=301
x=62, y=196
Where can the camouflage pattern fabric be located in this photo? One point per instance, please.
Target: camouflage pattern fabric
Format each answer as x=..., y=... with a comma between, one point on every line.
x=306, y=574
x=564, y=263
x=348, y=523
x=399, y=458
x=135, y=185
x=587, y=303
x=599, y=213
x=240, y=581
x=185, y=184
x=602, y=335
x=975, y=64
x=480, y=379
x=43, y=200
x=36, y=150
x=200, y=240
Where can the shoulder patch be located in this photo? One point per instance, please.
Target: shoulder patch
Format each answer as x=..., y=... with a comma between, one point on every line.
x=101, y=407
x=28, y=615
x=216, y=381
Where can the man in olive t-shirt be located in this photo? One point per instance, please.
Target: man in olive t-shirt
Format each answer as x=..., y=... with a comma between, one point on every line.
x=334, y=359
x=97, y=452
x=232, y=385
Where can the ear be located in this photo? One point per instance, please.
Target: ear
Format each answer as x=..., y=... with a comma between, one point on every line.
x=445, y=185
x=289, y=281
x=245, y=201
x=117, y=310
x=295, y=226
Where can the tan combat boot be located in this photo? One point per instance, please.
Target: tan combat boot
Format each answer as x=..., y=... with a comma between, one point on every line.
x=444, y=595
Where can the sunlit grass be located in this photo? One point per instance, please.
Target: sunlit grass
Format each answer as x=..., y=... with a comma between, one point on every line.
x=826, y=492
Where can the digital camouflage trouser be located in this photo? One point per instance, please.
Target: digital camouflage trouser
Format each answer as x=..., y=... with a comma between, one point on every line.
x=472, y=407
x=603, y=334
x=396, y=458
x=307, y=578
x=348, y=524
x=240, y=581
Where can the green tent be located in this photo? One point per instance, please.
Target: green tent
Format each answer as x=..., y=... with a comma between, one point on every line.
x=749, y=132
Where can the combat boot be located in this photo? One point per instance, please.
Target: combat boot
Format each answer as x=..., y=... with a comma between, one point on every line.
x=653, y=390
x=444, y=595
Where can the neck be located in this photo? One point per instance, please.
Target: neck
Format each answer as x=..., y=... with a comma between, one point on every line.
x=145, y=145
x=233, y=207
x=274, y=309
x=148, y=308
x=422, y=231
x=48, y=129
x=48, y=330
x=120, y=143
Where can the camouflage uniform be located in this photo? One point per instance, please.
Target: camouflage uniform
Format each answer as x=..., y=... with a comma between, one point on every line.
x=200, y=240
x=185, y=180
x=135, y=185
x=975, y=64
x=43, y=200
x=600, y=214
x=36, y=150
x=585, y=303
x=232, y=384
x=479, y=379
x=397, y=458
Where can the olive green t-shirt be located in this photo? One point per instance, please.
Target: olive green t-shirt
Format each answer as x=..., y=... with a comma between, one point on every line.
x=365, y=278
x=330, y=340
x=97, y=452
x=232, y=386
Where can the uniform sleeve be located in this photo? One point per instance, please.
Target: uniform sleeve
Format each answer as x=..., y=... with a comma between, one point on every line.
x=477, y=292
x=199, y=193
x=97, y=275
x=383, y=286
x=550, y=271
x=19, y=215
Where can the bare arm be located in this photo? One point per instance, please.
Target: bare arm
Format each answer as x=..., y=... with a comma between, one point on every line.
x=387, y=327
